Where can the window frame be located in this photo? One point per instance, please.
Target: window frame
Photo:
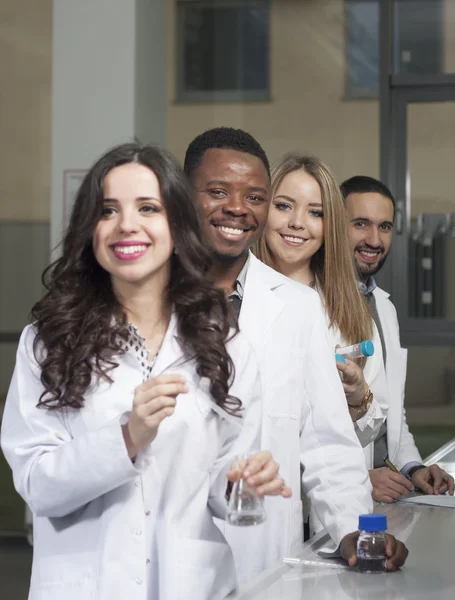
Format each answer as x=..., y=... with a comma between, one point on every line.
x=184, y=96
x=365, y=93
x=358, y=92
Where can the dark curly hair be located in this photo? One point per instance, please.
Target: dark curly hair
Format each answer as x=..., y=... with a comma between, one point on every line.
x=79, y=320
x=225, y=138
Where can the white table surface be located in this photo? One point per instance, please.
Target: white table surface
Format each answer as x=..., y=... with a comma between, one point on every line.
x=429, y=573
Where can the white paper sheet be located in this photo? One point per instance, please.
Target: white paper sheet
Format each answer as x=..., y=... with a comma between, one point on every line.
x=443, y=500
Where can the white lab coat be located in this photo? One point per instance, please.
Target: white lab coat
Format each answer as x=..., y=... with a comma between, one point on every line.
x=368, y=426
x=400, y=442
x=304, y=417
x=92, y=506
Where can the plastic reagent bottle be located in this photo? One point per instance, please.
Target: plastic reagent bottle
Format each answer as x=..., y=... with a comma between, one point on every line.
x=371, y=543
x=364, y=349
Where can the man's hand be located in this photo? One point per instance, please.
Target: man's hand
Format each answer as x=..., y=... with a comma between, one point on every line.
x=262, y=473
x=395, y=551
x=433, y=480
x=354, y=383
x=389, y=486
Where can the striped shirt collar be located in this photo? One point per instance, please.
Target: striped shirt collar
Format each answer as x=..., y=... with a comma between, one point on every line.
x=241, y=280
x=368, y=287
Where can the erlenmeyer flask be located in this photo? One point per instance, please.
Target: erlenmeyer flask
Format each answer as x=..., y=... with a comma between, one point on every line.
x=245, y=508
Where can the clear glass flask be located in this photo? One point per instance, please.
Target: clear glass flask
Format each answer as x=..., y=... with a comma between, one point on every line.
x=245, y=507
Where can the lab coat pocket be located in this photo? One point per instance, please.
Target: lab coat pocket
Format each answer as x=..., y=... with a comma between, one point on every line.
x=205, y=570
x=70, y=576
x=283, y=380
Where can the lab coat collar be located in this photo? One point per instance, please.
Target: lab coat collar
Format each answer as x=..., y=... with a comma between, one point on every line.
x=260, y=306
x=381, y=293
x=172, y=352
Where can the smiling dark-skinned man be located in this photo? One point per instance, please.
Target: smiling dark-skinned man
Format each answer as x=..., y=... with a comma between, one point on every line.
x=305, y=421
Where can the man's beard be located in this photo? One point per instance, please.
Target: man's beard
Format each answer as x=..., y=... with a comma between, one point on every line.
x=366, y=271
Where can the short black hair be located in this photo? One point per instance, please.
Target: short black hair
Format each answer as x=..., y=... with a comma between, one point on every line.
x=361, y=184
x=225, y=138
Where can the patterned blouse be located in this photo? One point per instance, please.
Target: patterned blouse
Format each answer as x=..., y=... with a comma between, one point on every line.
x=135, y=344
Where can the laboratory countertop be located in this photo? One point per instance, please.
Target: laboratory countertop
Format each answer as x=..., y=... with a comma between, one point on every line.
x=429, y=573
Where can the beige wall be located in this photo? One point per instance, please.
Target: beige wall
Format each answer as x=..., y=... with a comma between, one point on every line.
x=307, y=110
x=25, y=108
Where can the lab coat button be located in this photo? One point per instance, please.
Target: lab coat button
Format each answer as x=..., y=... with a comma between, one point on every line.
x=138, y=532
x=137, y=483
x=147, y=514
x=138, y=581
x=147, y=562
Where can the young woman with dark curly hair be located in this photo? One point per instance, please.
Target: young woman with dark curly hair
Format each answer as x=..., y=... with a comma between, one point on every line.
x=130, y=397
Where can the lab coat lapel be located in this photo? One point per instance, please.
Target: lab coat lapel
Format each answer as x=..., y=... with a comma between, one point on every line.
x=396, y=356
x=171, y=352
x=260, y=305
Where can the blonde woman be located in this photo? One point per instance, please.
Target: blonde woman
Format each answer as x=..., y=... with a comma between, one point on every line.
x=306, y=239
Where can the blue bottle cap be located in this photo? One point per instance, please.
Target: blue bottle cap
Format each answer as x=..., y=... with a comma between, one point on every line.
x=340, y=358
x=373, y=522
x=367, y=348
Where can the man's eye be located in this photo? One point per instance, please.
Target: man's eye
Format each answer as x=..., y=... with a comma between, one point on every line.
x=216, y=193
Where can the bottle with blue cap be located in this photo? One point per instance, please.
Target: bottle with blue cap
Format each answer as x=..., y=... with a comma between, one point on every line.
x=371, y=543
x=363, y=350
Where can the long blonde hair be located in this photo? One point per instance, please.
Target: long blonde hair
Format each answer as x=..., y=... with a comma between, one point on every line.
x=333, y=264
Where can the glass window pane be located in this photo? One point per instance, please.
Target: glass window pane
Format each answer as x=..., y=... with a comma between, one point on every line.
x=362, y=49
x=422, y=36
x=11, y=506
x=431, y=130
x=225, y=46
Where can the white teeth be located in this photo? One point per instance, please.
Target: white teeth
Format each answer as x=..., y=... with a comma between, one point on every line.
x=295, y=240
x=229, y=230
x=130, y=249
x=369, y=254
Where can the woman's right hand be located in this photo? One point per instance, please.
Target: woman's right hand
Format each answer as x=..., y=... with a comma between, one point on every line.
x=153, y=401
x=354, y=383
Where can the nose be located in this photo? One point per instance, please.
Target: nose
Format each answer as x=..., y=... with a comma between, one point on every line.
x=297, y=220
x=235, y=205
x=127, y=222
x=373, y=238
